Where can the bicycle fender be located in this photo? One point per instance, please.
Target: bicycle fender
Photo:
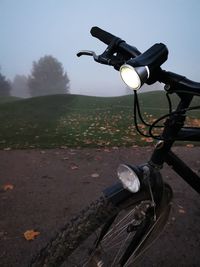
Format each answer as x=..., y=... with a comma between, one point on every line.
x=117, y=194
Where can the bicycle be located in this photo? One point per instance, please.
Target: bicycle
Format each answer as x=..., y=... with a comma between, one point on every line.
x=116, y=229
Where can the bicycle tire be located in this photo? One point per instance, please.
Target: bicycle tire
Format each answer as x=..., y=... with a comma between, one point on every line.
x=67, y=242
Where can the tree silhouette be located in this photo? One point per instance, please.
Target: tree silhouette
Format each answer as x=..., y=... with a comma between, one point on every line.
x=20, y=86
x=5, y=86
x=48, y=77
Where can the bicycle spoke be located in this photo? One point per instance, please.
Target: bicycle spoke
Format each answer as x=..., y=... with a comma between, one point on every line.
x=115, y=232
x=119, y=251
x=108, y=251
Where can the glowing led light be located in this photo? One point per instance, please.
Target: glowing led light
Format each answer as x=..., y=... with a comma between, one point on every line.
x=134, y=77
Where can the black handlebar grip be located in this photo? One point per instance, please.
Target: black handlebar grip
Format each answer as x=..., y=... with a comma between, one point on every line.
x=102, y=35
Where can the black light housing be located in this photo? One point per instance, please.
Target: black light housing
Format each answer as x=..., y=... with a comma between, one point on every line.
x=138, y=70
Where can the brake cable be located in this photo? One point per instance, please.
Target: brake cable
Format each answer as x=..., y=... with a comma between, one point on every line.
x=158, y=137
x=140, y=114
x=169, y=102
x=136, y=105
x=137, y=112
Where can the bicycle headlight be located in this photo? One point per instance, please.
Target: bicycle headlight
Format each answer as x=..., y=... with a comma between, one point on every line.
x=134, y=77
x=129, y=178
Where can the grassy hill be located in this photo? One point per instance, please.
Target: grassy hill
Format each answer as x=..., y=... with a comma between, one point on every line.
x=6, y=99
x=74, y=120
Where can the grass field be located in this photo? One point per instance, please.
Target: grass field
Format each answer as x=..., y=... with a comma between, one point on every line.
x=7, y=99
x=78, y=121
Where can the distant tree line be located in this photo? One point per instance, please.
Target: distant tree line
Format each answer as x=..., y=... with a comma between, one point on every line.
x=5, y=86
x=47, y=77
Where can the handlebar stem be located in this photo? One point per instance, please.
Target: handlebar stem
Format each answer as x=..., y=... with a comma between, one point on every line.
x=178, y=83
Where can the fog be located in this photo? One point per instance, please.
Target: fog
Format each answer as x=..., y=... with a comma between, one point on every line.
x=31, y=29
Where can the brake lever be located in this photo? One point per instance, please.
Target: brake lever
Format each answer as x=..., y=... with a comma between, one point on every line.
x=87, y=53
x=100, y=59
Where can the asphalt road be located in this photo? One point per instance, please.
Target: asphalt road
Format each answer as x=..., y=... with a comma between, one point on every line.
x=42, y=189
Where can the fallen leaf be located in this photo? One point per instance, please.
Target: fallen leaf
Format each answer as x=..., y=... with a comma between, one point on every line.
x=98, y=158
x=7, y=148
x=88, y=142
x=72, y=153
x=115, y=147
x=189, y=145
x=182, y=211
x=95, y=175
x=7, y=187
x=63, y=147
x=181, y=207
x=74, y=167
x=142, y=126
x=31, y=234
x=107, y=150
x=149, y=140
x=65, y=158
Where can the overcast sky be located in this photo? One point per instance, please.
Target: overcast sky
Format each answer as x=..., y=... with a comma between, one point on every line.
x=30, y=29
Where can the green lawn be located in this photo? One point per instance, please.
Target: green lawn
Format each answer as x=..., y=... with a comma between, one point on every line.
x=76, y=121
x=6, y=99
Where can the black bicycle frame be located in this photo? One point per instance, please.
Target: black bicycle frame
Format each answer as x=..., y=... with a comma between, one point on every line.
x=172, y=132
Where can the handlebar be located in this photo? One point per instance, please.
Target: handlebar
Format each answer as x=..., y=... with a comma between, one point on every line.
x=108, y=38
x=102, y=35
x=115, y=46
x=118, y=52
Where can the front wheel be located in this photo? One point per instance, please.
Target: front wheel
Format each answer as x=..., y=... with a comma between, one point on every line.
x=105, y=236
